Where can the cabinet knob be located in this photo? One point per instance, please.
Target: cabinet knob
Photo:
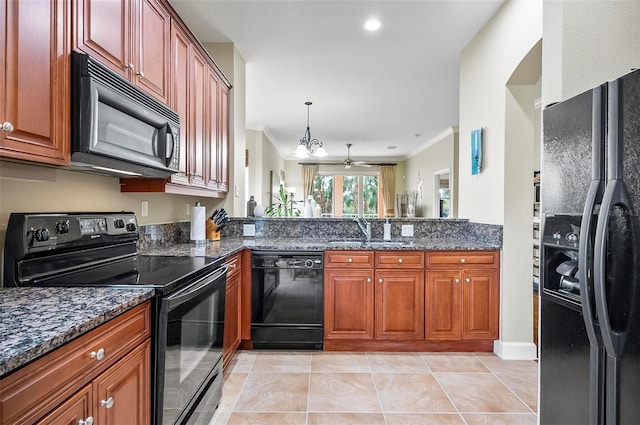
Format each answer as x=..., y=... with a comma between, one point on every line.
x=350, y=260
x=130, y=66
x=140, y=74
x=368, y=280
x=468, y=280
x=108, y=403
x=232, y=266
x=7, y=126
x=457, y=280
x=380, y=280
x=98, y=355
x=88, y=421
x=399, y=260
x=462, y=260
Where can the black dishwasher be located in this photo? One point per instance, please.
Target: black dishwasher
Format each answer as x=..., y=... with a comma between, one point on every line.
x=287, y=299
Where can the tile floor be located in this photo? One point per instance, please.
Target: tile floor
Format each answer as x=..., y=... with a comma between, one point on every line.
x=322, y=388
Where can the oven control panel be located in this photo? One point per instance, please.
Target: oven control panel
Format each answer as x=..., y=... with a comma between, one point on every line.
x=40, y=232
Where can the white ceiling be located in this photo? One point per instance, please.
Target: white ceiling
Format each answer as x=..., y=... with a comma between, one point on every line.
x=395, y=87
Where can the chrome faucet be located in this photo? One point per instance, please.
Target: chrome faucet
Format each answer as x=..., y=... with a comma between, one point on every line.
x=365, y=227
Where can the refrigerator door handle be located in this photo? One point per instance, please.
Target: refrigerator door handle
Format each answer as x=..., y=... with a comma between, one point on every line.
x=615, y=194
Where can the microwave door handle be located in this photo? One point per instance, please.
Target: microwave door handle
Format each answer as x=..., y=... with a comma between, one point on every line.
x=169, y=155
x=196, y=289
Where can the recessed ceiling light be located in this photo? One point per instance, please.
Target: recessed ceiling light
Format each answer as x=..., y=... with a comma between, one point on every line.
x=391, y=147
x=372, y=25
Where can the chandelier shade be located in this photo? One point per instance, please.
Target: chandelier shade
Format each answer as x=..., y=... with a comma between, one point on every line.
x=307, y=145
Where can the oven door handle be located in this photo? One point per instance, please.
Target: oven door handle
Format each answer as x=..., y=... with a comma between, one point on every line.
x=196, y=288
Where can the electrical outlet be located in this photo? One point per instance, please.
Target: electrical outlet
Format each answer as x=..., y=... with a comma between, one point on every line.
x=188, y=210
x=249, y=230
x=144, y=208
x=407, y=230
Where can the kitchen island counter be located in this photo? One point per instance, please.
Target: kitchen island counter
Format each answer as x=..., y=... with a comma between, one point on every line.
x=35, y=321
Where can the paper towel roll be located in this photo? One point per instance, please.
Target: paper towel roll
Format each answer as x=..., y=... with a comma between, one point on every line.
x=198, y=224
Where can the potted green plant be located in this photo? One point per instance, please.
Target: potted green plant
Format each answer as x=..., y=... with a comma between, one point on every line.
x=284, y=207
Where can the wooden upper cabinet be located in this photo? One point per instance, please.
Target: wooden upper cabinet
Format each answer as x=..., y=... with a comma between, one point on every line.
x=213, y=130
x=34, y=78
x=129, y=36
x=223, y=139
x=198, y=106
x=178, y=101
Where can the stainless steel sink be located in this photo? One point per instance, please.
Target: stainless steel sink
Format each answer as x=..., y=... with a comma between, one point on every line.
x=346, y=243
x=389, y=244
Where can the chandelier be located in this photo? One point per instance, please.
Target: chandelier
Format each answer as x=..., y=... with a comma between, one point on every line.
x=309, y=146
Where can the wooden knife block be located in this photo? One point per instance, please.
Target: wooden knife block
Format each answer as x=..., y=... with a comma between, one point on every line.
x=213, y=234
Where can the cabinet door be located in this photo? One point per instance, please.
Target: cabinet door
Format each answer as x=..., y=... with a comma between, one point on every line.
x=197, y=111
x=443, y=305
x=34, y=79
x=348, y=304
x=103, y=30
x=77, y=408
x=231, y=339
x=399, y=300
x=480, y=308
x=152, y=48
x=122, y=393
x=213, y=132
x=223, y=139
x=179, y=99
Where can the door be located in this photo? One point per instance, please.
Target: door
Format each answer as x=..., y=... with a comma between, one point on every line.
x=443, y=305
x=34, y=79
x=76, y=409
x=231, y=338
x=103, y=30
x=152, y=48
x=179, y=99
x=122, y=393
x=480, y=304
x=348, y=304
x=399, y=304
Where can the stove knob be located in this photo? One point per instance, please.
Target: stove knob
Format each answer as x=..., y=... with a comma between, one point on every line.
x=41, y=235
x=62, y=227
x=118, y=223
x=131, y=227
x=308, y=263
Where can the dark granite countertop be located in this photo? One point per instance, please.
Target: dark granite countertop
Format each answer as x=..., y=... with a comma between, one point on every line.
x=229, y=246
x=34, y=321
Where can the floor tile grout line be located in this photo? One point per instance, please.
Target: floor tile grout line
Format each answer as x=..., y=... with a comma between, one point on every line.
x=449, y=398
x=375, y=387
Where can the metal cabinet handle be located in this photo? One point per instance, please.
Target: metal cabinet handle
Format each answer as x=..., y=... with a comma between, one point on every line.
x=368, y=280
x=108, y=403
x=380, y=280
x=88, y=421
x=350, y=260
x=468, y=280
x=399, y=260
x=462, y=260
x=98, y=355
x=7, y=126
x=457, y=280
x=140, y=74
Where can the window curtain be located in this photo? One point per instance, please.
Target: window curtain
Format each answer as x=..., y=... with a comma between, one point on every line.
x=387, y=181
x=308, y=174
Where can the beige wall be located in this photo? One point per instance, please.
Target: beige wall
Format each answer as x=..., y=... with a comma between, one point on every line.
x=587, y=43
x=501, y=193
x=439, y=154
x=264, y=158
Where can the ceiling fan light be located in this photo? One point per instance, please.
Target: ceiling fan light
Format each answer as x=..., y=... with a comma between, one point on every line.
x=320, y=152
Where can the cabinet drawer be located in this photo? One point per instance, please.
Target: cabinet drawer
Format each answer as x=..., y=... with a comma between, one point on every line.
x=334, y=259
x=399, y=259
x=39, y=387
x=234, y=262
x=462, y=259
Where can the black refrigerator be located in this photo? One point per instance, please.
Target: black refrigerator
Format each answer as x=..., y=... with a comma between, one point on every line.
x=590, y=258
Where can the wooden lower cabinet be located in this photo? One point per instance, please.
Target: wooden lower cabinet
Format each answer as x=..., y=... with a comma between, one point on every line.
x=411, y=301
x=103, y=374
x=232, y=310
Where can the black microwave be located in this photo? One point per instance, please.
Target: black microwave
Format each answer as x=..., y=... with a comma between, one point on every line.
x=118, y=129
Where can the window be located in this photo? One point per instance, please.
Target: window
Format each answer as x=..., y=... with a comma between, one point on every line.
x=348, y=195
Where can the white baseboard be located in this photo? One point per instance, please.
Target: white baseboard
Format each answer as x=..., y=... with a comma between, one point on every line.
x=515, y=350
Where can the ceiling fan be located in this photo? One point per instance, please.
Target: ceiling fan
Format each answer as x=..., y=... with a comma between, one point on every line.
x=349, y=162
